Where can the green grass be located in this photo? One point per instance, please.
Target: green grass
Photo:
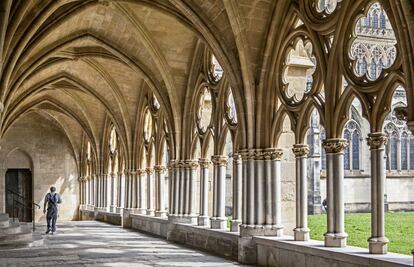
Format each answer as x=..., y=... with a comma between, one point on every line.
x=399, y=229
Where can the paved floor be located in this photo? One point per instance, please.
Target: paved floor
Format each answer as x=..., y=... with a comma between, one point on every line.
x=100, y=244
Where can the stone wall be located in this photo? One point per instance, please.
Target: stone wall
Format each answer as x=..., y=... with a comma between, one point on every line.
x=39, y=144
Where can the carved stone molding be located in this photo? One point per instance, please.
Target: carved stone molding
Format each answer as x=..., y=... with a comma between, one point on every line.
x=335, y=145
x=219, y=160
x=150, y=171
x=191, y=164
x=300, y=150
x=248, y=154
x=237, y=159
x=262, y=154
x=204, y=163
x=142, y=172
x=377, y=140
x=159, y=169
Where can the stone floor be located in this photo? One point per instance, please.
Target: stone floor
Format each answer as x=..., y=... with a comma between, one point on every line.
x=91, y=243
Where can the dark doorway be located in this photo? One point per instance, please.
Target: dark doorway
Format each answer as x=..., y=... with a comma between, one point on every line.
x=20, y=182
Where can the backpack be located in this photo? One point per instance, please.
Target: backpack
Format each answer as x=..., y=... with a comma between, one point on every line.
x=53, y=200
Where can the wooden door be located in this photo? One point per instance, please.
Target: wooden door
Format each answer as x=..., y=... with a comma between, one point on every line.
x=19, y=206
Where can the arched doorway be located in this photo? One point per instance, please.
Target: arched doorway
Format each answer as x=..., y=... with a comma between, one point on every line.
x=19, y=194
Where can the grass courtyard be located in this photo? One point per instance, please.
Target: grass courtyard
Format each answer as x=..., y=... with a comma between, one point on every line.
x=399, y=229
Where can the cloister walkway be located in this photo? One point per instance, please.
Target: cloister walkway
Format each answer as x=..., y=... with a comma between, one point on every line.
x=91, y=243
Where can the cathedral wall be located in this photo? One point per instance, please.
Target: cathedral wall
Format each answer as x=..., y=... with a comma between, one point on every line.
x=39, y=144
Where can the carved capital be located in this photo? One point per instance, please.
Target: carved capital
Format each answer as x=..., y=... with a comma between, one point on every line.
x=300, y=150
x=219, y=160
x=150, y=171
x=191, y=164
x=270, y=154
x=248, y=154
x=204, y=163
x=141, y=172
x=180, y=164
x=237, y=159
x=159, y=169
x=334, y=145
x=377, y=140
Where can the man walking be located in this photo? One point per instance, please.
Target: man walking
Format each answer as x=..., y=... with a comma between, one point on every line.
x=52, y=199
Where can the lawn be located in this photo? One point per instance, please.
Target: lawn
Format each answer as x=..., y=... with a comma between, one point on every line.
x=399, y=229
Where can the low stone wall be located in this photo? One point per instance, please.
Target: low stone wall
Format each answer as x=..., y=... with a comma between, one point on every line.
x=152, y=225
x=272, y=251
x=220, y=242
x=86, y=215
x=109, y=217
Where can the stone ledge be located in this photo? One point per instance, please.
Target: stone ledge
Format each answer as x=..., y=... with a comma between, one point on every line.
x=313, y=252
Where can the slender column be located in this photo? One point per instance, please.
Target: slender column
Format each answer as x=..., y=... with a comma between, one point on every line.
x=177, y=189
x=301, y=231
x=186, y=191
x=113, y=204
x=171, y=184
x=259, y=190
x=87, y=184
x=276, y=192
x=160, y=191
x=121, y=191
x=237, y=192
x=150, y=192
x=104, y=178
x=80, y=181
x=219, y=220
x=97, y=190
x=134, y=177
x=335, y=236
x=378, y=243
x=127, y=188
x=203, y=218
x=141, y=192
x=192, y=187
x=181, y=184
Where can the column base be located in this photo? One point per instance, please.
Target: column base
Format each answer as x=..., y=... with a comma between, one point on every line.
x=218, y=223
x=301, y=234
x=150, y=212
x=161, y=214
x=203, y=221
x=119, y=210
x=335, y=240
x=378, y=245
x=112, y=208
x=235, y=225
x=126, y=218
x=141, y=211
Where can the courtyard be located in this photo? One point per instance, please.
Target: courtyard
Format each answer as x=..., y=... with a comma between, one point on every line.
x=398, y=226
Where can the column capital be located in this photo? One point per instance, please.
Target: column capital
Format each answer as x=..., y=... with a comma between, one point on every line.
x=141, y=172
x=269, y=154
x=248, y=154
x=335, y=145
x=219, y=160
x=149, y=170
x=179, y=164
x=191, y=164
x=237, y=158
x=204, y=163
x=300, y=150
x=159, y=169
x=377, y=140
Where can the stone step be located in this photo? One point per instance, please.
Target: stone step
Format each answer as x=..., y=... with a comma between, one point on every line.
x=35, y=240
x=13, y=228
x=4, y=220
x=17, y=237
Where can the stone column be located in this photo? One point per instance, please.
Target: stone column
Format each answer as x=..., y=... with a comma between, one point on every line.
x=335, y=236
x=87, y=183
x=121, y=192
x=203, y=218
x=192, y=167
x=160, y=191
x=134, y=190
x=150, y=192
x=141, y=192
x=81, y=198
x=177, y=189
x=301, y=231
x=113, y=204
x=171, y=182
x=181, y=184
x=237, y=192
x=186, y=190
x=277, y=192
x=378, y=243
x=127, y=188
x=219, y=220
x=105, y=191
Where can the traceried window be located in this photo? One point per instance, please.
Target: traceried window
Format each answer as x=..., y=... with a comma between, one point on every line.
x=323, y=152
x=373, y=48
x=216, y=68
x=327, y=6
x=113, y=141
x=204, y=110
x=404, y=151
x=352, y=152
